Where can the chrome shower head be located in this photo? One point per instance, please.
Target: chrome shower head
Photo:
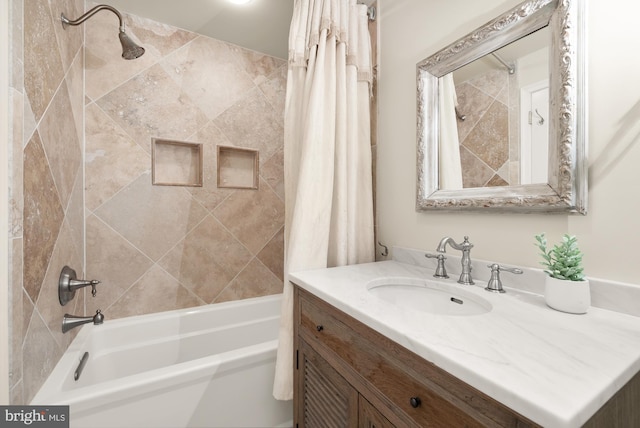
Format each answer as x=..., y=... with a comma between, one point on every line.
x=130, y=50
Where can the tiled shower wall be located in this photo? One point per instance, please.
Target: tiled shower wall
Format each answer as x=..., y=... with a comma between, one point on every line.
x=46, y=185
x=488, y=144
x=158, y=248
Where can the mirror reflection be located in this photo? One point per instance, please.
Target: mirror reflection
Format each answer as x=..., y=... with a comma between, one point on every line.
x=494, y=121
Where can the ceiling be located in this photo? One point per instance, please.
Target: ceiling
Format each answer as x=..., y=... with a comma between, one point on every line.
x=261, y=25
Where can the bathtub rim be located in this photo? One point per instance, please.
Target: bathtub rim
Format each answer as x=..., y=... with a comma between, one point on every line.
x=53, y=386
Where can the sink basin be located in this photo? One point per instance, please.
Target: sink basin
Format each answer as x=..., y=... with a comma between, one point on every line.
x=428, y=296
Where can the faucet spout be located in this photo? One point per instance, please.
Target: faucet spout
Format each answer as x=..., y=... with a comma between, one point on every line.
x=72, y=321
x=465, y=246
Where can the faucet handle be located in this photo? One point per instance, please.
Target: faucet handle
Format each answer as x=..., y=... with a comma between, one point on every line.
x=441, y=271
x=495, y=284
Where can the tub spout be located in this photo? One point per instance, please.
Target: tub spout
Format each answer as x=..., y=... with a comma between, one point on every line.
x=71, y=321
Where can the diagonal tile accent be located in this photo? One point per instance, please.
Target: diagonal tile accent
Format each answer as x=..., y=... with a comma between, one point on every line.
x=156, y=291
x=144, y=111
x=112, y=159
x=207, y=72
x=253, y=216
x=272, y=255
x=60, y=141
x=113, y=261
x=43, y=216
x=153, y=218
x=489, y=139
x=255, y=280
x=207, y=259
x=272, y=172
x=253, y=123
x=275, y=89
x=42, y=64
x=256, y=64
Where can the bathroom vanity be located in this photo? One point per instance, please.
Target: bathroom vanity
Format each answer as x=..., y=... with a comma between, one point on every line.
x=364, y=362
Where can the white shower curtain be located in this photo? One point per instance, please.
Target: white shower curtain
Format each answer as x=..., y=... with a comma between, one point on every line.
x=449, y=165
x=327, y=143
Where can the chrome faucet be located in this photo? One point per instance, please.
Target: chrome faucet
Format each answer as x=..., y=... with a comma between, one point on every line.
x=465, y=247
x=71, y=321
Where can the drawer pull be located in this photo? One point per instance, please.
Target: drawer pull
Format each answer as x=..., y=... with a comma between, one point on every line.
x=415, y=402
x=320, y=327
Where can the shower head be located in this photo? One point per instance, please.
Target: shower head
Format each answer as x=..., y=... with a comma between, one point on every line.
x=130, y=50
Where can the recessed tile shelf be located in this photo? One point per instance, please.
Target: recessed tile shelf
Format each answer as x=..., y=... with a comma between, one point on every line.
x=176, y=163
x=237, y=167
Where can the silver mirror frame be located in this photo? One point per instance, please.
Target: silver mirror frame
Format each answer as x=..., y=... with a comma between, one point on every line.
x=566, y=190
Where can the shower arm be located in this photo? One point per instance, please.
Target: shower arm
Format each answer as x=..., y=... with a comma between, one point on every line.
x=89, y=14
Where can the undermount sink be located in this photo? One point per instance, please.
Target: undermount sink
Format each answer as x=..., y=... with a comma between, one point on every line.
x=428, y=296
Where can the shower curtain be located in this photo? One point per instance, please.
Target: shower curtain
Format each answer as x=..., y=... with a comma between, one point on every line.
x=327, y=144
x=449, y=165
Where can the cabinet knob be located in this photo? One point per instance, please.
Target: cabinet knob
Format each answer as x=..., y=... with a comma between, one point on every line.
x=320, y=327
x=415, y=402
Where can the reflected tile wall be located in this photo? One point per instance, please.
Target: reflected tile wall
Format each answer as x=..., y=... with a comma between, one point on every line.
x=157, y=248
x=484, y=134
x=46, y=191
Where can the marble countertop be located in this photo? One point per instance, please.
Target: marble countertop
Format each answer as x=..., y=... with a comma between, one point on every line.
x=557, y=369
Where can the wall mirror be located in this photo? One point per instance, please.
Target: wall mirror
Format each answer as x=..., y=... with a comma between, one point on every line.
x=501, y=115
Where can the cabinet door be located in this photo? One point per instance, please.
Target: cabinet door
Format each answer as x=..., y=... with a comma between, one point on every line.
x=370, y=417
x=325, y=399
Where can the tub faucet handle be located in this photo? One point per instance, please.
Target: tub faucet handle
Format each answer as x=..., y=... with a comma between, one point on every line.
x=68, y=284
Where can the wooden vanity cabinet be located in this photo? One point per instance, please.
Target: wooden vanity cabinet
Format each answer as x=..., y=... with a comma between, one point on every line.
x=348, y=375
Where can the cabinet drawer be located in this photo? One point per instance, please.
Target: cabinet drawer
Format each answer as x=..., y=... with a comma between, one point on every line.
x=384, y=371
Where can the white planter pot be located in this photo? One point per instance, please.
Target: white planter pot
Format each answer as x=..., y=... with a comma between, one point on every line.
x=567, y=296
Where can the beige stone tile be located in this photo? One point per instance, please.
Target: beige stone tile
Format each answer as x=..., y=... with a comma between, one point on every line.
x=74, y=215
x=41, y=354
x=272, y=255
x=156, y=37
x=112, y=158
x=75, y=86
x=152, y=218
x=272, y=172
x=473, y=103
x=252, y=216
x=113, y=261
x=43, y=216
x=475, y=173
x=496, y=181
x=208, y=73
x=17, y=45
x=27, y=311
x=48, y=304
x=16, y=184
x=104, y=66
x=207, y=259
x=152, y=105
x=16, y=312
x=42, y=64
x=16, y=394
x=491, y=82
x=60, y=140
x=254, y=124
x=256, y=64
x=489, y=139
x=156, y=291
x=275, y=89
x=254, y=281
x=70, y=40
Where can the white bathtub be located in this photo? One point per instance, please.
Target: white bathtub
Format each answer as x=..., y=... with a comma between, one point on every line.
x=210, y=366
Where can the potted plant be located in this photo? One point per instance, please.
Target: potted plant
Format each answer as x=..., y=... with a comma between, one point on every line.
x=566, y=288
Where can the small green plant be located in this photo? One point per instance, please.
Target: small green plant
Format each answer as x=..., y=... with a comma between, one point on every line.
x=564, y=260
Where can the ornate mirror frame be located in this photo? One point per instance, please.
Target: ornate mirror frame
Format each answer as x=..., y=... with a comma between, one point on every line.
x=566, y=190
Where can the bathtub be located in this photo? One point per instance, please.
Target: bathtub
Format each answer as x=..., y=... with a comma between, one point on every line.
x=210, y=366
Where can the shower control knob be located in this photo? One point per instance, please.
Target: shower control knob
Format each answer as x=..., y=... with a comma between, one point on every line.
x=415, y=402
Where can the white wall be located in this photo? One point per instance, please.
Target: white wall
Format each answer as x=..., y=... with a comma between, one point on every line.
x=411, y=30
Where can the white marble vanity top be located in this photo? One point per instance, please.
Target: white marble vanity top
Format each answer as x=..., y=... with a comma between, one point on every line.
x=555, y=368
